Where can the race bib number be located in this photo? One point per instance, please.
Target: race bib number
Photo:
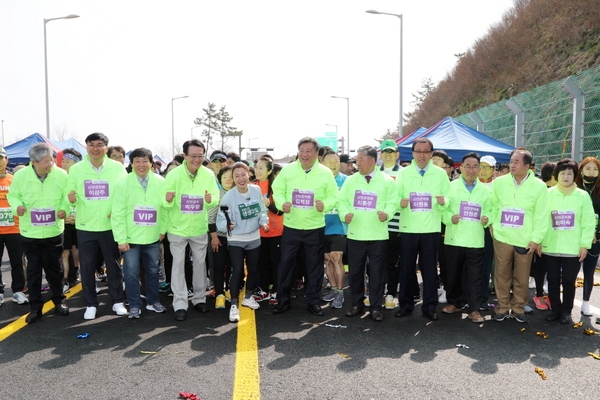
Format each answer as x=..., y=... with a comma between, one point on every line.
x=563, y=220
x=96, y=190
x=470, y=211
x=512, y=218
x=144, y=216
x=191, y=204
x=6, y=217
x=420, y=202
x=303, y=199
x=249, y=210
x=365, y=201
x=43, y=217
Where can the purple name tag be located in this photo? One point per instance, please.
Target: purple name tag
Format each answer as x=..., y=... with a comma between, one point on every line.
x=563, y=220
x=303, y=198
x=43, y=217
x=365, y=201
x=96, y=190
x=420, y=201
x=470, y=211
x=512, y=218
x=144, y=216
x=191, y=204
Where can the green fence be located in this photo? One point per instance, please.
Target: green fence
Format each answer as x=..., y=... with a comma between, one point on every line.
x=548, y=119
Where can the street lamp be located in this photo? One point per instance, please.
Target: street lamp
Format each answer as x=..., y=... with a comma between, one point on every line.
x=70, y=16
x=249, y=154
x=348, y=116
x=401, y=23
x=173, y=123
x=192, y=131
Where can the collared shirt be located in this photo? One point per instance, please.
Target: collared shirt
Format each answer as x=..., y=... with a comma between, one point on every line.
x=522, y=182
x=470, y=187
x=419, y=169
x=143, y=181
x=99, y=169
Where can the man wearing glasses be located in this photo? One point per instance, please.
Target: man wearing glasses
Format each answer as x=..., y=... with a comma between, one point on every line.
x=189, y=191
x=389, y=157
x=421, y=187
x=90, y=189
x=486, y=174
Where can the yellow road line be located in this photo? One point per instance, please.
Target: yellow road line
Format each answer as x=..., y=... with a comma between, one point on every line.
x=20, y=323
x=246, y=384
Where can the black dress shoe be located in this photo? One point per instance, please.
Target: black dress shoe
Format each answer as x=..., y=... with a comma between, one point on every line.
x=354, y=311
x=553, y=316
x=565, y=318
x=431, y=315
x=202, y=307
x=315, y=309
x=61, y=309
x=403, y=312
x=33, y=316
x=282, y=307
x=376, y=316
x=180, y=315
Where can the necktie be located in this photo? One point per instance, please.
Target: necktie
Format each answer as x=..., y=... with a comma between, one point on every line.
x=368, y=178
x=422, y=172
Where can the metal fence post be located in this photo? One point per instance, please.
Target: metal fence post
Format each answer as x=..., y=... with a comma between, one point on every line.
x=519, y=121
x=578, y=117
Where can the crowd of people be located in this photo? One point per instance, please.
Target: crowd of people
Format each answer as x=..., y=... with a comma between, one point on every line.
x=256, y=234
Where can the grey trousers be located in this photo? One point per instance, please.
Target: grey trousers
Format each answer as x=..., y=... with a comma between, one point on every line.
x=198, y=244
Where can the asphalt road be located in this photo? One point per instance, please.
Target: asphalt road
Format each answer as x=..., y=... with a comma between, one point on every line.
x=299, y=355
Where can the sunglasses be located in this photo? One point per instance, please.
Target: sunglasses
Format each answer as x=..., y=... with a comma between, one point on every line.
x=388, y=151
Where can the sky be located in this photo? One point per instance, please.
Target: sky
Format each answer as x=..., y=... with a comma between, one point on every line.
x=273, y=64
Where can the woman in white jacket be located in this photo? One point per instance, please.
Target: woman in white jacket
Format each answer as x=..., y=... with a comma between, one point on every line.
x=242, y=214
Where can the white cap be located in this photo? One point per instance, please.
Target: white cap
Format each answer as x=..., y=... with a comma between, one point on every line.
x=489, y=160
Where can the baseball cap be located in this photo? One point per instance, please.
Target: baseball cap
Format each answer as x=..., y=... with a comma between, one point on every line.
x=2, y=152
x=490, y=160
x=388, y=144
x=345, y=158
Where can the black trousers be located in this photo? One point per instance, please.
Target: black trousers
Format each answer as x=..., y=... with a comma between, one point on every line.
x=221, y=262
x=90, y=243
x=393, y=266
x=459, y=259
x=237, y=254
x=43, y=254
x=12, y=241
x=270, y=256
x=291, y=240
x=565, y=270
x=358, y=251
x=425, y=245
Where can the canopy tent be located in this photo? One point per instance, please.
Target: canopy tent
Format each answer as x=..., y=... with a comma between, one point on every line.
x=458, y=139
x=411, y=136
x=18, y=152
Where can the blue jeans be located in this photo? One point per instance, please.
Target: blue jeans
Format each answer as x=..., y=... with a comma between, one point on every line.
x=131, y=268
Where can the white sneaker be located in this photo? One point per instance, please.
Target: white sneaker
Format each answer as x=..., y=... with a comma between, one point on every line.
x=531, y=283
x=119, y=308
x=66, y=288
x=442, y=296
x=585, y=308
x=1, y=298
x=19, y=297
x=98, y=290
x=389, y=302
x=251, y=303
x=90, y=313
x=234, y=313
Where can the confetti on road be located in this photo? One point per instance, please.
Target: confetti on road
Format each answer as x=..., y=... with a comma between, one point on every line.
x=541, y=373
x=542, y=335
x=336, y=326
x=594, y=355
x=464, y=346
x=523, y=329
x=578, y=325
x=344, y=355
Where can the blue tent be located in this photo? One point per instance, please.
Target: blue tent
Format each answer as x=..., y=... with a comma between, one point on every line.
x=18, y=152
x=458, y=139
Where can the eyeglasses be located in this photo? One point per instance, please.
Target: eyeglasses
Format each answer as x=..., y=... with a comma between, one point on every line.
x=422, y=152
x=218, y=161
x=486, y=167
x=195, y=156
x=388, y=151
x=471, y=167
x=96, y=145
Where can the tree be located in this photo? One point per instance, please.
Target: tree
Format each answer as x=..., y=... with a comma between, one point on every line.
x=216, y=122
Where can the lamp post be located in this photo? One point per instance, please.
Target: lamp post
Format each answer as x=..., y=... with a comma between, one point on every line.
x=173, y=123
x=249, y=154
x=348, y=116
x=70, y=16
x=400, y=122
